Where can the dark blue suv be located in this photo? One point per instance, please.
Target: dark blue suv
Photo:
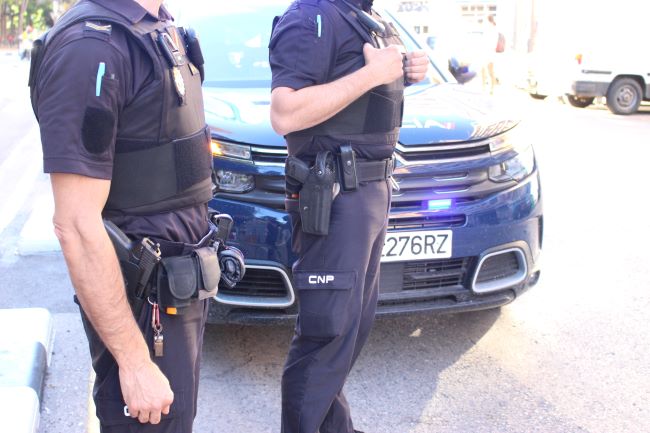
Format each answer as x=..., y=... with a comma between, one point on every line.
x=465, y=228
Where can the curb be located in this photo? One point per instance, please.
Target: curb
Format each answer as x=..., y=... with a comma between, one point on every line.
x=26, y=340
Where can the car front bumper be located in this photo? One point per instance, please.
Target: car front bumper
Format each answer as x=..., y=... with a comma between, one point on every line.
x=495, y=259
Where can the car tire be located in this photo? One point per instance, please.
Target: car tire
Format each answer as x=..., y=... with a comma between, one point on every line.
x=624, y=96
x=579, y=101
x=537, y=96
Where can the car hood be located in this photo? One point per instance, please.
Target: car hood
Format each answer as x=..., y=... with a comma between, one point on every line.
x=443, y=113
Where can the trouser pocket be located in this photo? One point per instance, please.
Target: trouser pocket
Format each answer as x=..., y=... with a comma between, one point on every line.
x=323, y=301
x=112, y=412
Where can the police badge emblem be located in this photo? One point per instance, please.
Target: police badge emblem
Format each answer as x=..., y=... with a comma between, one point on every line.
x=179, y=84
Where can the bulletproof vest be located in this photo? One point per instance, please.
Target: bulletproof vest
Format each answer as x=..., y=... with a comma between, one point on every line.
x=380, y=110
x=162, y=151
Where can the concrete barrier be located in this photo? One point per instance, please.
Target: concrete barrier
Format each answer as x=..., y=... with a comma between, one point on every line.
x=26, y=341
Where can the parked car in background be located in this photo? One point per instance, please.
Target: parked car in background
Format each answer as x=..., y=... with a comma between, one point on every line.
x=465, y=227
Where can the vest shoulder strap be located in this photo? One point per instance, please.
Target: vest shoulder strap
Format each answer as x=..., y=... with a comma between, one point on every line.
x=351, y=15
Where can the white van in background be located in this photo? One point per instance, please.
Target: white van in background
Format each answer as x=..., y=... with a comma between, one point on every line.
x=622, y=78
x=604, y=59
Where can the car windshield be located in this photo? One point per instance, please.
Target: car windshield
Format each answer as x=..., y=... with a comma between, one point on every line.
x=234, y=41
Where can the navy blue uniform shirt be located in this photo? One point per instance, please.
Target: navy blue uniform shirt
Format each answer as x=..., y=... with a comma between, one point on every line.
x=68, y=77
x=304, y=53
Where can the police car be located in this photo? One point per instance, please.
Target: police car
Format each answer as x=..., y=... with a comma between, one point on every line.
x=466, y=224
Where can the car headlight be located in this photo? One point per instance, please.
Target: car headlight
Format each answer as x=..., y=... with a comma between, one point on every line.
x=231, y=181
x=230, y=150
x=517, y=168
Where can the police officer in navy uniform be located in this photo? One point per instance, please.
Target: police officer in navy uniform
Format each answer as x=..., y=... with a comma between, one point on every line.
x=339, y=72
x=124, y=138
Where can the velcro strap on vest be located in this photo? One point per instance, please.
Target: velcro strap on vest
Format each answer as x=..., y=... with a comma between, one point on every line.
x=183, y=176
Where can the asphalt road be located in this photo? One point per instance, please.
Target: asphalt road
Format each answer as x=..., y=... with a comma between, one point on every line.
x=569, y=356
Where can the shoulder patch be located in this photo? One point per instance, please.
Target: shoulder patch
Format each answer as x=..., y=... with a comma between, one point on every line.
x=97, y=27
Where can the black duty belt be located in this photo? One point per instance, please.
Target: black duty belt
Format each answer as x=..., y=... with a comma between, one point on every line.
x=313, y=186
x=368, y=171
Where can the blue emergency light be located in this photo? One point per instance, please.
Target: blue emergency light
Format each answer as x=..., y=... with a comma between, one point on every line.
x=442, y=204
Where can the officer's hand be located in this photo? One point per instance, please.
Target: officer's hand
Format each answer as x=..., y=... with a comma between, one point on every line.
x=385, y=64
x=146, y=392
x=416, y=66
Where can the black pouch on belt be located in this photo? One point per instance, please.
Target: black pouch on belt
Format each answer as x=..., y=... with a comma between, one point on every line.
x=316, y=195
x=348, y=169
x=182, y=279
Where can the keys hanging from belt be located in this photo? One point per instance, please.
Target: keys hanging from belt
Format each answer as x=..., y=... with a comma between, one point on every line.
x=157, y=330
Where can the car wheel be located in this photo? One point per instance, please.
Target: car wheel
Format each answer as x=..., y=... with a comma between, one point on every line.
x=578, y=101
x=624, y=96
x=537, y=96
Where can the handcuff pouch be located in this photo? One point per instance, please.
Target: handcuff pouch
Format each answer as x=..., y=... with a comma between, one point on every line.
x=182, y=279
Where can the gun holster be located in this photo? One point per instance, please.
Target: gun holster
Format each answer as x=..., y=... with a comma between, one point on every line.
x=317, y=194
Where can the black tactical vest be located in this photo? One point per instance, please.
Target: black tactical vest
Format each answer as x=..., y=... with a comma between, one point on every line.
x=162, y=151
x=380, y=110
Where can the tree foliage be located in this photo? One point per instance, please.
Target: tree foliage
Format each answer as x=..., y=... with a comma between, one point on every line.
x=18, y=15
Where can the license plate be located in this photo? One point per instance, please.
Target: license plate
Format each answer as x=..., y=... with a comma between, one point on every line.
x=425, y=244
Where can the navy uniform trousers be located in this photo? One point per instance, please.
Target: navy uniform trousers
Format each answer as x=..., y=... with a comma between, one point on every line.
x=337, y=279
x=183, y=340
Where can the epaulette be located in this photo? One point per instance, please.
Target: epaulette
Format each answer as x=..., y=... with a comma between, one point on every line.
x=97, y=29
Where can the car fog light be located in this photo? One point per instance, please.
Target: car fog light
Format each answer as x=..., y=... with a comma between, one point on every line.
x=516, y=168
x=229, y=181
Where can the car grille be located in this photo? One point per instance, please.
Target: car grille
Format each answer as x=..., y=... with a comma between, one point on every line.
x=427, y=222
x=417, y=187
x=258, y=283
x=462, y=188
x=441, y=152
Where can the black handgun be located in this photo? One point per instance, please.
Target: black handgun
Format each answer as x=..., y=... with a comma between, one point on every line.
x=137, y=260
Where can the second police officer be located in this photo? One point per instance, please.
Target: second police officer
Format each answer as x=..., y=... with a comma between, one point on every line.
x=339, y=72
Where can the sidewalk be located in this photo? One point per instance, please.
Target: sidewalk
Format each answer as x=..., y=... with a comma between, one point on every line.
x=26, y=340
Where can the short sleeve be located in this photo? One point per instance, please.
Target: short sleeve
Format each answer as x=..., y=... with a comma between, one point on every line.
x=302, y=48
x=81, y=90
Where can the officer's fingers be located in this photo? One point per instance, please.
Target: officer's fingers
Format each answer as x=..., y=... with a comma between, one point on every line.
x=416, y=69
x=414, y=77
x=143, y=417
x=154, y=417
x=169, y=399
x=165, y=410
x=415, y=54
x=417, y=62
x=368, y=51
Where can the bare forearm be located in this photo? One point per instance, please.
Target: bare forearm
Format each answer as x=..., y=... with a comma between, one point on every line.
x=98, y=282
x=295, y=110
x=97, y=279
